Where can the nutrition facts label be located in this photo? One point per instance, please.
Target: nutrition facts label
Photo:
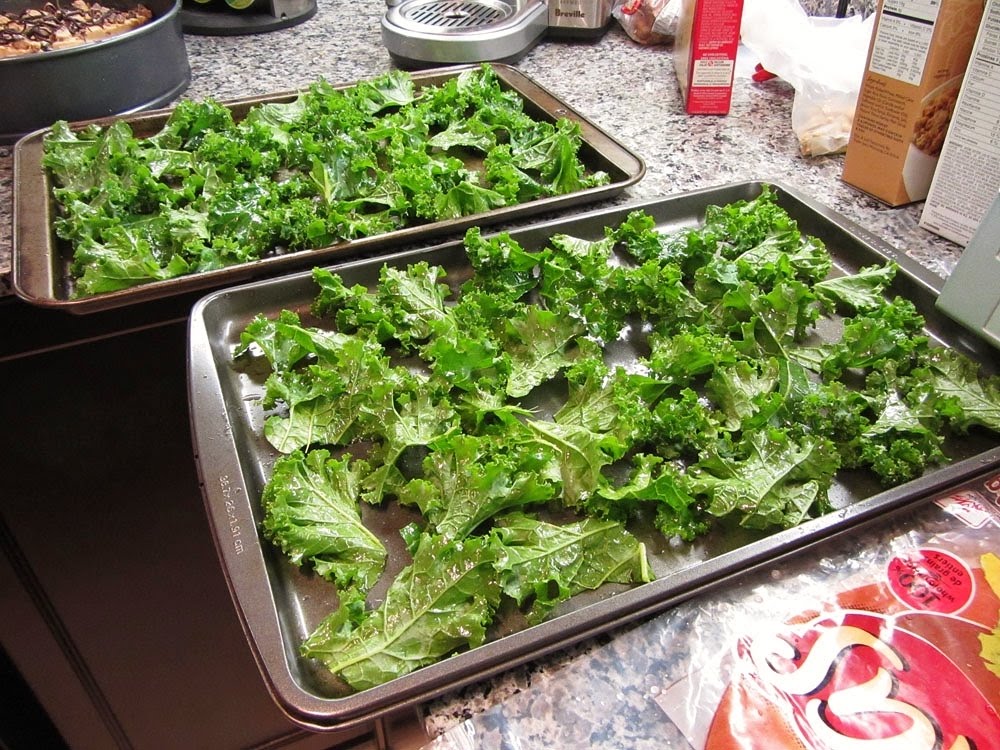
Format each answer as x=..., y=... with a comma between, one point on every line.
x=903, y=39
x=978, y=117
x=712, y=72
x=968, y=174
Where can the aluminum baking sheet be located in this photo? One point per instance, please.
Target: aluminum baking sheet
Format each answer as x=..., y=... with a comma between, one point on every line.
x=40, y=263
x=279, y=604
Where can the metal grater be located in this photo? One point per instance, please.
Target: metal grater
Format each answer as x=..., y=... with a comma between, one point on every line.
x=420, y=32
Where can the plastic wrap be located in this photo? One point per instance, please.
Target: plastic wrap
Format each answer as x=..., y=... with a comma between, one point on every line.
x=855, y=650
x=647, y=21
x=822, y=58
x=884, y=637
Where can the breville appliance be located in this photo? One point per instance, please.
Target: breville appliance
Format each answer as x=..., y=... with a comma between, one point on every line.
x=421, y=33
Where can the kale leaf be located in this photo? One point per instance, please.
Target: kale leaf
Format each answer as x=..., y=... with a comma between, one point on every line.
x=331, y=165
x=544, y=563
x=442, y=601
x=311, y=512
x=497, y=405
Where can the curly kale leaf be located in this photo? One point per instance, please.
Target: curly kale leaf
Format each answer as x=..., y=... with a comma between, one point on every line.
x=550, y=151
x=468, y=480
x=892, y=332
x=655, y=291
x=775, y=482
x=408, y=419
x=330, y=403
x=576, y=283
x=743, y=225
x=689, y=354
x=685, y=424
x=544, y=563
x=653, y=484
x=862, y=291
x=540, y=345
x=311, y=512
x=609, y=400
x=581, y=455
x=899, y=446
x=502, y=267
x=967, y=397
x=785, y=254
x=277, y=339
x=443, y=601
x=412, y=299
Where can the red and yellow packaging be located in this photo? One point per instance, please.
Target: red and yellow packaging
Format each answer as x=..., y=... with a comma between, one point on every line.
x=901, y=653
x=874, y=669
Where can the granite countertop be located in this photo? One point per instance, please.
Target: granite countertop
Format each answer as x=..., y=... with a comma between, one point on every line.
x=628, y=90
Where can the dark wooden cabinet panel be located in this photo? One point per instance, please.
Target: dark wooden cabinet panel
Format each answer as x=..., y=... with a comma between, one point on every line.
x=118, y=614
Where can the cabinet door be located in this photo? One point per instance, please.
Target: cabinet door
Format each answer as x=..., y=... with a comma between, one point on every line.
x=133, y=637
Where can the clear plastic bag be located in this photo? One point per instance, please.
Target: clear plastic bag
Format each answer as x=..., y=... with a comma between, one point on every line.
x=822, y=58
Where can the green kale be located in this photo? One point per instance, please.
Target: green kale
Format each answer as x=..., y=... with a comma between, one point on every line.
x=772, y=481
x=544, y=563
x=653, y=484
x=861, y=291
x=753, y=377
x=581, y=455
x=501, y=266
x=743, y=225
x=609, y=400
x=655, y=291
x=965, y=397
x=469, y=480
x=441, y=602
x=412, y=300
x=331, y=165
x=311, y=512
x=892, y=332
x=403, y=420
x=541, y=345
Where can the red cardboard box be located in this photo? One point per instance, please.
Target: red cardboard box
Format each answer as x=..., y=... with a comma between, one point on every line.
x=708, y=35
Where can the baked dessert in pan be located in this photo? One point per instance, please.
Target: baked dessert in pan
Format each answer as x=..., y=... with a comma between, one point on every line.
x=54, y=26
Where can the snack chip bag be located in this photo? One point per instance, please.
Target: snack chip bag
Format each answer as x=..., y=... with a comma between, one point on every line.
x=901, y=655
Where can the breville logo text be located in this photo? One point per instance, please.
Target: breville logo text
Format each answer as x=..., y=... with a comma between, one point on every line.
x=570, y=13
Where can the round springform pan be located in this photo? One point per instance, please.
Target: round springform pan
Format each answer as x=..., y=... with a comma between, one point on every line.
x=144, y=68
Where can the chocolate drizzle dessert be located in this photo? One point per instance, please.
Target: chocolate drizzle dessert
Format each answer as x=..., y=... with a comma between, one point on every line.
x=54, y=26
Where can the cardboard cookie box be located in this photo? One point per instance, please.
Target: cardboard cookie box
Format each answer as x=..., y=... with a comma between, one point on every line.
x=917, y=58
x=967, y=177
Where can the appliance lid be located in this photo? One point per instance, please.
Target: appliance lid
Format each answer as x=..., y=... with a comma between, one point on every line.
x=462, y=31
x=453, y=17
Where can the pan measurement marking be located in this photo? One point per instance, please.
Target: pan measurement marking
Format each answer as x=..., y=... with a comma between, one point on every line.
x=229, y=492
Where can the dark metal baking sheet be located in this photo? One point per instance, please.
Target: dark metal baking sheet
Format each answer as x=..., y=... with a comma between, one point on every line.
x=279, y=605
x=40, y=264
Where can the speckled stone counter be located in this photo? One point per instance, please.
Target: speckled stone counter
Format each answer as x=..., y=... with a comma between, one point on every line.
x=627, y=89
